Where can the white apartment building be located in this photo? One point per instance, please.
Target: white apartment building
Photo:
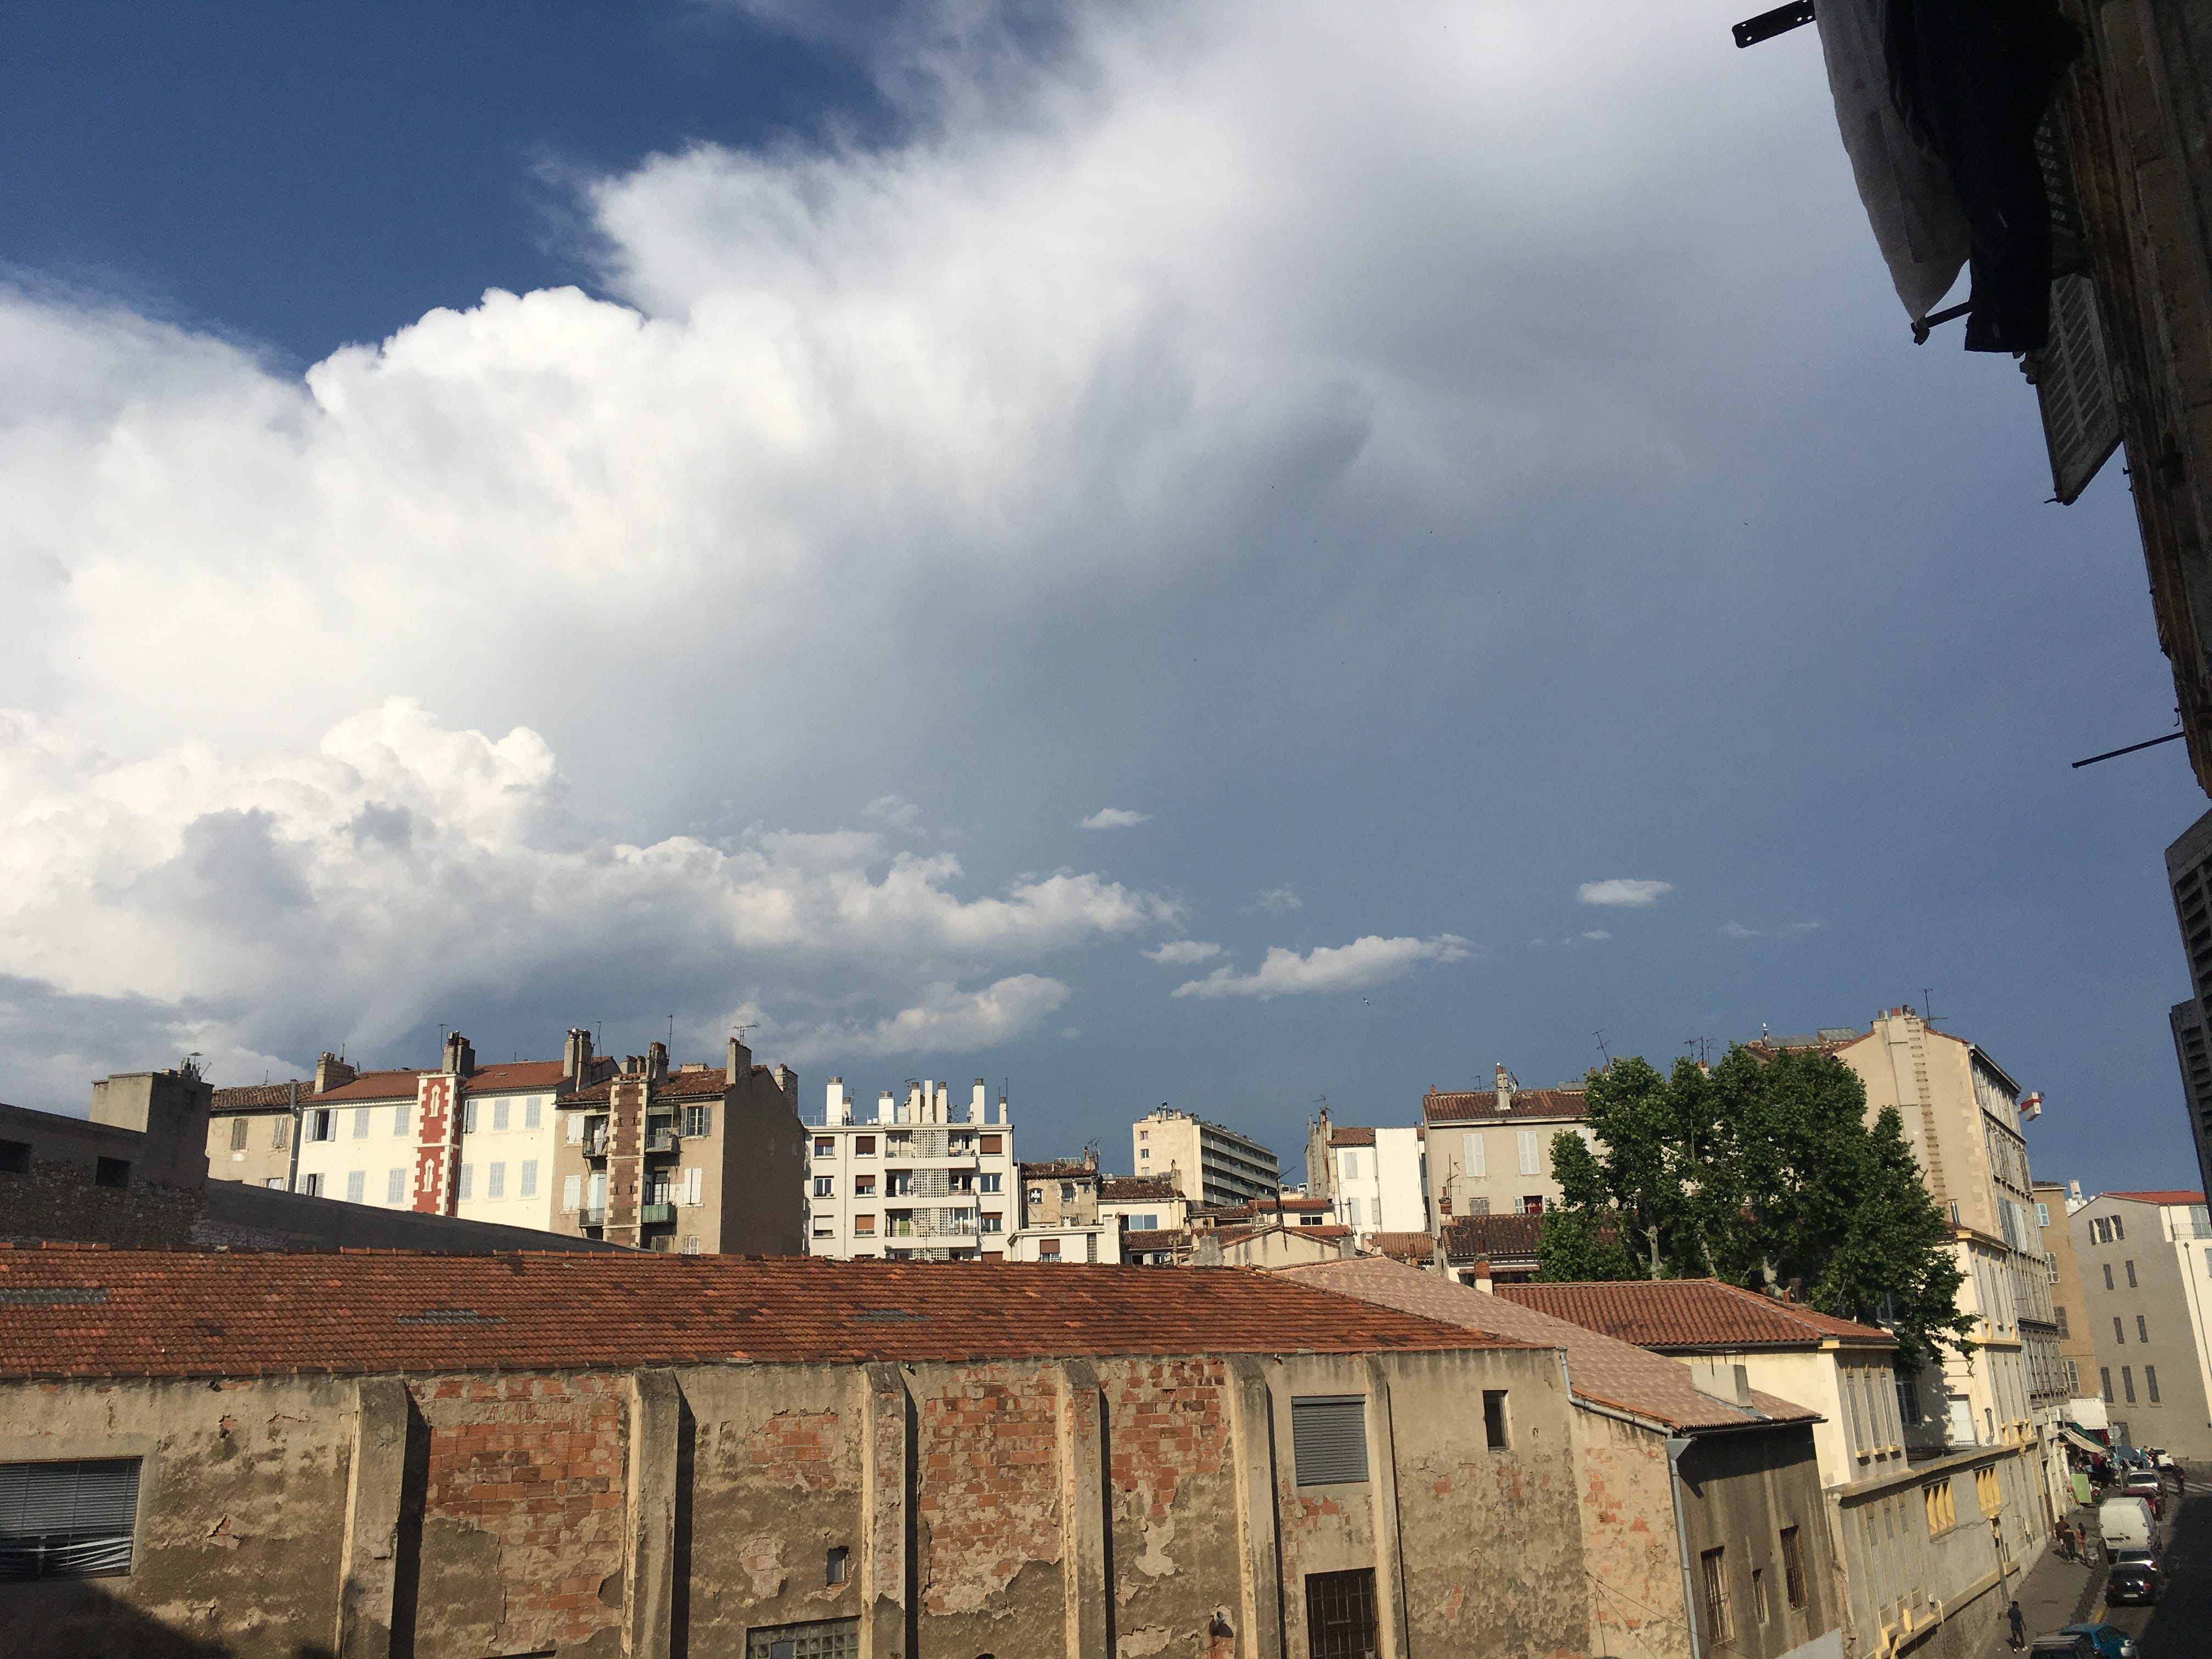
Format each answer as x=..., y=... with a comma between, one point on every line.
x=913, y=1182
x=1207, y=1163
x=1376, y=1179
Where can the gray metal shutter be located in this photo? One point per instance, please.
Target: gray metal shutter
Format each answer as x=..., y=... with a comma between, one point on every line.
x=1328, y=1439
x=67, y=1519
x=2074, y=385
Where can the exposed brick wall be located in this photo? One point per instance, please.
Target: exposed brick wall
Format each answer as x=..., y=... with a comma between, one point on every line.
x=535, y=1464
x=797, y=1449
x=1168, y=1442
x=987, y=1491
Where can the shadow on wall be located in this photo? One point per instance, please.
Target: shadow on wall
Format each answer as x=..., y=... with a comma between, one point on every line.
x=71, y=1618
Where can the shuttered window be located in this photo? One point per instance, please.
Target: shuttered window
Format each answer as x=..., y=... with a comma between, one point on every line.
x=834, y=1638
x=67, y=1520
x=1328, y=1439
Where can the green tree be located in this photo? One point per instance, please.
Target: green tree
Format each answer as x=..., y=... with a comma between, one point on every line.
x=1763, y=1171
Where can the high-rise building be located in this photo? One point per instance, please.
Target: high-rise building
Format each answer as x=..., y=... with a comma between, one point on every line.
x=915, y=1182
x=2189, y=876
x=1207, y=1163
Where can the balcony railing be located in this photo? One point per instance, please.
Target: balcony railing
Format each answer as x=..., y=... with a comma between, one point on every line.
x=588, y=1217
x=660, y=1140
x=650, y=1213
x=595, y=1145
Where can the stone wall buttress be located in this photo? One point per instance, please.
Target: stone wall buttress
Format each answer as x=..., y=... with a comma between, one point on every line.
x=649, y=1588
x=1087, y=1592
x=887, y=1552
x=1252, y=1425
x=368, y=1565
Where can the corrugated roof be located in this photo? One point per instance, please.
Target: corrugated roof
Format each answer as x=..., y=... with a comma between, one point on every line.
x=1693, y=1313
x=79, y=1312
x=1481, y=1105
x=1601, y=1369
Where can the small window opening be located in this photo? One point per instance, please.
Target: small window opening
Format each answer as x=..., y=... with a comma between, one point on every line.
x=1493, y=1419
x=113, y=1172
x=14, y=1157
x=841, y=1566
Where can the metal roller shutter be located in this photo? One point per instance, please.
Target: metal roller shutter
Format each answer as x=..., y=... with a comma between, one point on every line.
x=1328, y=1439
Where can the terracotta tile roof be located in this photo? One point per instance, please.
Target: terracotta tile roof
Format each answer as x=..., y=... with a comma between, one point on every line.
x=1500, y=1237
x=518, y=1074
x=1149, y=1242
x=1059, y=1168
x=1134, y=1189
x=1260, y=1206
x=2176, y=1195
x=371, y=1086
x=1406, y=1247
x=1693, y=1313
x=259, y=1097
x=676, y=1085
x=1352, y=1137
x=1601, y=1370
x=117, y=1313
x=1481, y=1105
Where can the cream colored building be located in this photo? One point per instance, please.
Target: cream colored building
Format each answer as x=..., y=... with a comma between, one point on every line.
x=1207, y=1163
x=1489, y=1151
x=917, y=1181
x=2146, y=1261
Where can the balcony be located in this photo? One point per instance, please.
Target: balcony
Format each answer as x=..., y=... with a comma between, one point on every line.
x=662, y=1139
x=588, y=1217
x=595, y=1145
x=649, y=1214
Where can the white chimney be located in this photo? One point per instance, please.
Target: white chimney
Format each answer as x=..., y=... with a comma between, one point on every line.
x=1002, y=1109
x=886, y=1108
x=979, y=1107
x=941, y=1109
x=1505, y=1089
x=836, y=1108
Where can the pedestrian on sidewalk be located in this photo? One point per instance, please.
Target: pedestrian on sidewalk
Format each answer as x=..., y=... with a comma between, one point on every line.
x=2019, y=1633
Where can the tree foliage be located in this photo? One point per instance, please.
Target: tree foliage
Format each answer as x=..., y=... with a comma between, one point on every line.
x=1764, y=1170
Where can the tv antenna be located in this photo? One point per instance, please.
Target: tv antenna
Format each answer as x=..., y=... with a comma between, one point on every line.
x=1602, y=1050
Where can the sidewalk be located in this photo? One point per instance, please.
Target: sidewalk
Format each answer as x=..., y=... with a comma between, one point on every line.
x=2054, y=1594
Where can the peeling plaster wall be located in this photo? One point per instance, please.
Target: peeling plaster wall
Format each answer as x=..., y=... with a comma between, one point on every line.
x=1630, y=1549
x=1738, y=1490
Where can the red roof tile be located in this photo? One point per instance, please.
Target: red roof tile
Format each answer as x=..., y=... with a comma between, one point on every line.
x=259, y=1097
x=1135, y=1189
x=1352, y=1137
x=1481, y=1105
x=1148, y=1241
x=1692, y=1313
x=2176, y=1195
x=1506, y=1236
x=518, y=1074
x=1406, y=1247
x=127, y=1313
x=1059, y=1168
x=1601, y=1369
x=370, y=1085
x=676, y=1085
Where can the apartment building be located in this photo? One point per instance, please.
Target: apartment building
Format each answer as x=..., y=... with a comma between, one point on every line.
x=915, y=1182
x=1142, y=1203
x=1489, y=1151
x=1207, y=1163
x=695, y=1159
x=1377, y=1178
x=2055, y=1203
x=2146, y=1261
x=461, y=1455
x=2189, y=879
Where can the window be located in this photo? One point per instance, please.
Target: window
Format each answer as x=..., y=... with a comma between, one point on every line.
x=1714, y=1566
x=318, y=1124
x=499, y=1111
x=468, y=1117
x=2150, y=1382
x=864, y=1227
x=825, y=1146
x=2108, y=1275
x=395, y=1186
x=1531, y=1149
x=1328, y=1439
x=312, y=1185
x=468, y=1180
x=2043, y=1215
x=280, y=1133
x=2119, y=1330
x=1494, y=1431
x=825, y=1186
x=573, y=1133
x=360, y=1123
x=1793, y=1567
x=1943, y=1506
x=531, y=1110
x=1986, y=1492
x=2058, y=1317
x=496, y=1182
x=2143, y=1330
x=400, y=1113
x=1143, y=1134
x=694, y=1178
x=2128, y=1383
x=1758, y=1593
x=1342, y=1621
x=992, y=1144
x=572, y=1193
x=2119, y=1230
x=2105, y=1378
x=529, y=1188
x=111, y=1172
x=1067, y=1192
x=356, y=1186
x=274, y=1183
x=1471, y=1146
x=1048, y=1250
x=864, y=1186
x=698, y=1120
x=2130, y=1266
x=1858, y=1426
x=237, y=1128
x=863, y=1146
x=833, y=1639
x=994, y=1222
x=840, y=1567
x=1351, y=1212
x=2072, y=1377
x=70, y=1520
x=987, y=1183
x=1908, y=1404
x=691, y=1244
x=1351, y=1165
x=902, y=1184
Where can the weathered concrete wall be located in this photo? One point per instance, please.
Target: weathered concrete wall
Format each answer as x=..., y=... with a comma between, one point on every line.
x=1123, y=1507
x=1629, y=1542
x=1738, y=1492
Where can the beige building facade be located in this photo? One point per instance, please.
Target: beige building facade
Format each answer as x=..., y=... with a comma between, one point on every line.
x=1489, y=1151
x=2055, y=1203
x=1208, y=1163
x=919, y=1180
x=2146, y=1263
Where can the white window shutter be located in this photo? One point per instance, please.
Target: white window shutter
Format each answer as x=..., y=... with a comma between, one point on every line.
x=1472, y=1142
x=572, y=1193
x=575, y=1128
x=691, y=1181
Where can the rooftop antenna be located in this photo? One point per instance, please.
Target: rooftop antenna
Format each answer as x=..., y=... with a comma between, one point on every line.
x=672, y=1034
x=1927, y=1006
x=1601, y=1049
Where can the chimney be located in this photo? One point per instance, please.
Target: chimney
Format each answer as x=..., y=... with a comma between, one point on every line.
x=979, y=1103
x=1505, y=1089
x=459, y=1058
x=1481, y=1271
x=1090, y=1158
x=1002, y=1109
x=837, y=1107
x=786, y=1080
x=576, y=1057
x=1722, y=1381
x=332, y=1073
x=886, y=1108
x=737, y=1063
x=656, y=1061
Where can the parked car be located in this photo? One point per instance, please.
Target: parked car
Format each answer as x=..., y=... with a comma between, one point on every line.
x=2070, y=1644
x=2146, y=1485
x=2105, y=1641
x=2134, y=1579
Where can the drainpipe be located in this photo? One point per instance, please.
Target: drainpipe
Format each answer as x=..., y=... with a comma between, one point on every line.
x=1676, y=1445
x=292, y=1168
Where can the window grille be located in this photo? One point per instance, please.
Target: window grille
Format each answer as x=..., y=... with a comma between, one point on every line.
x=833, y=1639
x=72, y=1519
x=1328, y=1439
x=1713, y=1564
x=1793, y=1567
x=1342, y=1621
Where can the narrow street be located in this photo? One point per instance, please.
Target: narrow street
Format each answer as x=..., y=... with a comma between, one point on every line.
x=2058, y=1593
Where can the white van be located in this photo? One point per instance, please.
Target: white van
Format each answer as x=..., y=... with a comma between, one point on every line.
x=2124, y=1524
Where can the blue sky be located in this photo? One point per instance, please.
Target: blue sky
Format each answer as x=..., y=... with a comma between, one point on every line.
x=524, y=516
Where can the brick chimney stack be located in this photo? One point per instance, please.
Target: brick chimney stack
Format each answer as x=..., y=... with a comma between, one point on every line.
x=332, y=1073
x=739, y=1064
x=576, y=1057
x=656, y=1061
x=460, y=1058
